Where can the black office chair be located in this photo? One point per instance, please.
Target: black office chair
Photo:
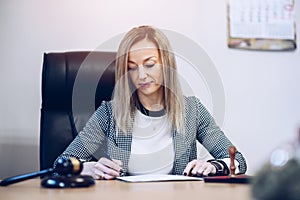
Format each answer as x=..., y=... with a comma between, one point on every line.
x=69, y=80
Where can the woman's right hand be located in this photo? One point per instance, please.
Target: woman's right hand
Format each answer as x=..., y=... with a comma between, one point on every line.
x=102, y=169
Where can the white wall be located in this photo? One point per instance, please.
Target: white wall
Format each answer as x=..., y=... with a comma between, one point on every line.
x=261, y=88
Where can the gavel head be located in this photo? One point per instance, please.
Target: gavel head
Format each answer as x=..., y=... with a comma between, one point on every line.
x=68, y=166
x=68, y=170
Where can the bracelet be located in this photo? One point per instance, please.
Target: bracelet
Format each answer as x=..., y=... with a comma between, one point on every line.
x=220, y=166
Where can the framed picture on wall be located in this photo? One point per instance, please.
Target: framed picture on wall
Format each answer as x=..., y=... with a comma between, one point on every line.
x=261, y=24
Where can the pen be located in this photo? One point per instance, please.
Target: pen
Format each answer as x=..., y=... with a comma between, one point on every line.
x=106, y=155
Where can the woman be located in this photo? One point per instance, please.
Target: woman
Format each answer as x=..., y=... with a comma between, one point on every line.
x=149, y=127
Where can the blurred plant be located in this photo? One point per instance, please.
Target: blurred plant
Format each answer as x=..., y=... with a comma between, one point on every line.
x=279, y=178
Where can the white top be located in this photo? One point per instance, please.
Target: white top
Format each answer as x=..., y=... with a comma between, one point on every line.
x=152, y=149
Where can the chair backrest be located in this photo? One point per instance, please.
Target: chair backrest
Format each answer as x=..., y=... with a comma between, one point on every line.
x=73, y=85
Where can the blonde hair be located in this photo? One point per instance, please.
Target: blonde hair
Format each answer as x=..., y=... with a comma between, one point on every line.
x=124, y=96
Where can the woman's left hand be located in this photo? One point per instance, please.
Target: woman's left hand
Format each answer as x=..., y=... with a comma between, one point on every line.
x=199, y=167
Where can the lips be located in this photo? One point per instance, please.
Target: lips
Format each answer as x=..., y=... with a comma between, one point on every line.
x=145, y=84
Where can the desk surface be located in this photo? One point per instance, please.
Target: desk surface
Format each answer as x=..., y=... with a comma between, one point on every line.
x=181, y=190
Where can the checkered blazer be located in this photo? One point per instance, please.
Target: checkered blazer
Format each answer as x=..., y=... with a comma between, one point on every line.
x=101, y=136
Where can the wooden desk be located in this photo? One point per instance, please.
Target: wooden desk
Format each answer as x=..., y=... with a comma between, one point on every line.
x=184, y=190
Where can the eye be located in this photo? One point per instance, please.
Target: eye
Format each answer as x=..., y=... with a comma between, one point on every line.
x=150, y=64
x=132, y=67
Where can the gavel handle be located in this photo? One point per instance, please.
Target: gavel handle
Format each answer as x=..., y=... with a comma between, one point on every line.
x=23, y=177
x=232, y=152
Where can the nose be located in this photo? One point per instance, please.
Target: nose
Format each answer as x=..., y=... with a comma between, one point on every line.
x=142, y=72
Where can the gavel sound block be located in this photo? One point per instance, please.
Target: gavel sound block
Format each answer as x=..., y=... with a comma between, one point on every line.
x=232, y=177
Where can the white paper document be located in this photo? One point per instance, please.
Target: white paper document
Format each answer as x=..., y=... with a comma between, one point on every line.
x=157, y=178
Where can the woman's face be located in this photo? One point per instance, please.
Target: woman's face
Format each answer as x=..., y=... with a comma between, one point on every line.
x=145, y=69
